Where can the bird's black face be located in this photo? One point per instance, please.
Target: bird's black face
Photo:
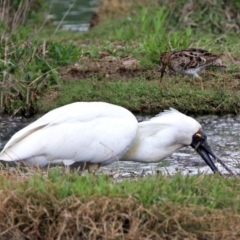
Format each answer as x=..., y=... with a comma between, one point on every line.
x=200, y=144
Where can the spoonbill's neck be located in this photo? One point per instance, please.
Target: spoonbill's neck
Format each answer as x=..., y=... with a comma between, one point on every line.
x=151, y=146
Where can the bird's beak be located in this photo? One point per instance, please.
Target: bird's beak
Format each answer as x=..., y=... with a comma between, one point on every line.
x=205, y=151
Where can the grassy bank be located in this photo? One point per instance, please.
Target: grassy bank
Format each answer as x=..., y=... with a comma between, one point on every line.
x=60, y=206
x=141, y=96
x=114, y=73
x=118, y=60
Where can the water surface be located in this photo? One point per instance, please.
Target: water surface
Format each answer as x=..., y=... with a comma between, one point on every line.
x=72, y=15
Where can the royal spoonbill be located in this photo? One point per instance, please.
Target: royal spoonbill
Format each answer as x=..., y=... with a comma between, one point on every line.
x=98, y=133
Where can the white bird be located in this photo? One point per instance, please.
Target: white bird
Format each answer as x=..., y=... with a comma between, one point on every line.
x=97, y=133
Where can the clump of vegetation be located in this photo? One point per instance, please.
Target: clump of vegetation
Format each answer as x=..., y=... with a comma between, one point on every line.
x=216, y=17
x=54, y=205
x=27, y=66
x=28, y=69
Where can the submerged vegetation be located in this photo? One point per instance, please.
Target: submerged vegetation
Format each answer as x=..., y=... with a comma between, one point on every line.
x=118, y=60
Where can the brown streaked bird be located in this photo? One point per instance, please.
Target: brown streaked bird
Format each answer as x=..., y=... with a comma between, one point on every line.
x=189, y=61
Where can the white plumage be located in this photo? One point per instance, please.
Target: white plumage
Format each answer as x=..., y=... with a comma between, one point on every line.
x=101, y=133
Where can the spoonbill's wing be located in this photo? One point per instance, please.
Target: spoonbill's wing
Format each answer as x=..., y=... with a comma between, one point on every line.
x=80, y=131
x=75, y=112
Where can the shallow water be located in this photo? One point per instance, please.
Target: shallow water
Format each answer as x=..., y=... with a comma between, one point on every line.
x=223, y=136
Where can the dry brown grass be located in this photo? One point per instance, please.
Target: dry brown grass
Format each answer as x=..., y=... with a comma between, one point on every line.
x=122, y=6
x=38, y=216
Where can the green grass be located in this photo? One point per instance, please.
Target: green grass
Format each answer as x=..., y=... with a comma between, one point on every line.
x=70, y=206
x=139, y=95
x=211, y=191
x=142, y=37
x=30, y=63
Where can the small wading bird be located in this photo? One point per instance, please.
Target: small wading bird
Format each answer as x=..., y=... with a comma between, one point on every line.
x=189, y=61
x=94, y=134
